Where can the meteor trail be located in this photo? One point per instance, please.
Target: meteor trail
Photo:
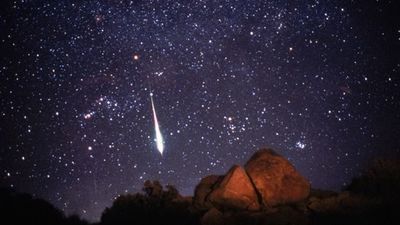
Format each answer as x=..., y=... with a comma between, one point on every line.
x=159, y=139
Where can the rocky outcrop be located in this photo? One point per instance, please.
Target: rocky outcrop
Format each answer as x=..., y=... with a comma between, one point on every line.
x=276, y=179
x=235, y=191
x=267, y=180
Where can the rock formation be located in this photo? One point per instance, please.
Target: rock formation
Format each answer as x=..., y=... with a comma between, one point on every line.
x=267, y=180
x=275, y=178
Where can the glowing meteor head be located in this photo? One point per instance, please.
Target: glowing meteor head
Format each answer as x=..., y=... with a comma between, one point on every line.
x=160, y=143
x=159, y=139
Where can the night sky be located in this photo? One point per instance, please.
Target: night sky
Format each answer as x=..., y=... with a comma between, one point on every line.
x=318, y=81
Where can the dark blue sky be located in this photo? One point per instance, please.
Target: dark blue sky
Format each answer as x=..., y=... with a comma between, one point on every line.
x=318, y=81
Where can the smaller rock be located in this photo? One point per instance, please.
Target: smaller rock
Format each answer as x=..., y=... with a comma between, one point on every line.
x=203, y=189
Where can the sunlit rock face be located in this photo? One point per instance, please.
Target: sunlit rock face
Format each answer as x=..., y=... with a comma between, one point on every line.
x=235, y=191
x=276, y=179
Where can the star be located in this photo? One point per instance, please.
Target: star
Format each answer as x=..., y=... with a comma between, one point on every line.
x=135, y=57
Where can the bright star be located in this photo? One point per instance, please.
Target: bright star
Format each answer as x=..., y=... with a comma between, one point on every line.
x=300, y=145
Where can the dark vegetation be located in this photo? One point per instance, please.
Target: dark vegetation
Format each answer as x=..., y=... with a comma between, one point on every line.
x=372, y=198
x=155, y=206
x=381, y=179
x=17, y=208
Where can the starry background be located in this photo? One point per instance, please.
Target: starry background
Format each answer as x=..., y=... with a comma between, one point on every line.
x=318, y=81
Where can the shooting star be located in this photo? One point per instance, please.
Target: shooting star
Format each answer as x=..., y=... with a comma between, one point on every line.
x=159, y=139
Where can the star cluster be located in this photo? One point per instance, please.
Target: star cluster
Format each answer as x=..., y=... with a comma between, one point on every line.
x=318, y=81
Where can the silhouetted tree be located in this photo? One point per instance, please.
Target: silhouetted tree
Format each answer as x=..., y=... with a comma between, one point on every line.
x=171, y=192
x=153, y=189
x=155, y=206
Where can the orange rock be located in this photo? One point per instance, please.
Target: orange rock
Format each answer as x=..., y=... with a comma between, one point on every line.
x=235, y=191
x=275, y=178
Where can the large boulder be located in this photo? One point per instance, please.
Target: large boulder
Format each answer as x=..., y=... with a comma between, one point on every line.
x=203, y=189
x=235, y=191
x=276, y=179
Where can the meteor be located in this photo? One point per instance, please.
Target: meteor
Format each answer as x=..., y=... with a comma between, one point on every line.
x=159, y=139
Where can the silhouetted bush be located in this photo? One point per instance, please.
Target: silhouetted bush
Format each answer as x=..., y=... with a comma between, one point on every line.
x=155, y=206
x=381, y=179
x=372, y=198
x=75, y=220
x=17, y=208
